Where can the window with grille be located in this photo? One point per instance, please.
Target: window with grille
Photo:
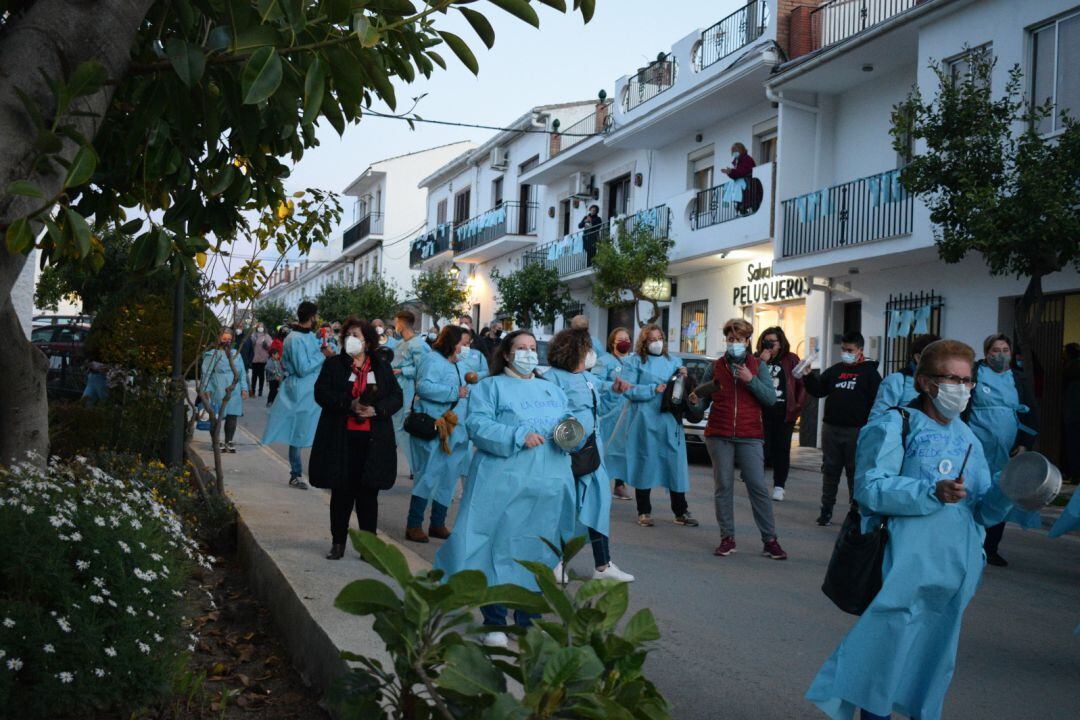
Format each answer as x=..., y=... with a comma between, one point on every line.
x=694, y=326
x=906, y=317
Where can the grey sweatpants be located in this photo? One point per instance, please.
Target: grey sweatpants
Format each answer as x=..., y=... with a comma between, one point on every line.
x=749, y=453
x=837, y=455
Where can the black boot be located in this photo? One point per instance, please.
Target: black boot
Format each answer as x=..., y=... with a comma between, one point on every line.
x=825, y=518
x=337, y=551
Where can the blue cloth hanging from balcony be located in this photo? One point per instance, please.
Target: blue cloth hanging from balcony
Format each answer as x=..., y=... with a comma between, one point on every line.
x=800, y=207
x=922, y=318
x=897, y=188
x=578, y=243
x=874, y=183
x=812, y=205
x=733, y=191
x=826, y=203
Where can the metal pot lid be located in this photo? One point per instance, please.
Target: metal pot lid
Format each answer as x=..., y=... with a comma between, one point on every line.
x=569, y=434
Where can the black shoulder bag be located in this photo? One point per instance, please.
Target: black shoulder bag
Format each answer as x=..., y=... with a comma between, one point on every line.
x=586, y=459
x=421, y=425
x=853, y=578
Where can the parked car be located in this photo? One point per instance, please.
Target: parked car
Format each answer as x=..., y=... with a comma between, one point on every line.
x=696, y=367
x=64, y=346
x=60, y=339
x=62, y=320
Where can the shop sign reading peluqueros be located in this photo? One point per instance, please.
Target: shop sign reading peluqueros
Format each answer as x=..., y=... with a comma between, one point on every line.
x=762, y=287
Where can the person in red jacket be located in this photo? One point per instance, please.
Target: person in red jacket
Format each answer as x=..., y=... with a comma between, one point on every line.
x=779, y=420
x=741, y=387
x=742, y=168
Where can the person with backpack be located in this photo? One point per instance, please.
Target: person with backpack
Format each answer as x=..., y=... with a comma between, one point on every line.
x=935, y=493
x=1002, y=416
x=850, y=387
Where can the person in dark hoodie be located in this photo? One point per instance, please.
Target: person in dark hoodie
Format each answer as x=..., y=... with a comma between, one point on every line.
x=849, y=387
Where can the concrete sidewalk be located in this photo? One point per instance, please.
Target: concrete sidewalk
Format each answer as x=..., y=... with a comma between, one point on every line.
x=282, y=538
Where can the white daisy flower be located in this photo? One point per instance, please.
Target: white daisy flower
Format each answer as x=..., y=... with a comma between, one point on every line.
x=66, y=677
x=14, y=664
x=48, y=648
x=9, y=623
x=110, y=651
x=81, y=565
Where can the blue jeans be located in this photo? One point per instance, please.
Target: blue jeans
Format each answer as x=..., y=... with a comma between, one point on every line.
x=600, y=552
x=865, y=714
x=418, y=505
x=296, y=465
x=495, y=616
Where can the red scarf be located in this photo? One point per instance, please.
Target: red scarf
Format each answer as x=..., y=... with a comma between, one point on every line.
x=358, y=387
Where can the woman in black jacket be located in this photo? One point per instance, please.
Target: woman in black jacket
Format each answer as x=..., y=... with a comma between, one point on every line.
x=355, y=454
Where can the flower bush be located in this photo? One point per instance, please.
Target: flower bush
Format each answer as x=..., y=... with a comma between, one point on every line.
x=91, y=603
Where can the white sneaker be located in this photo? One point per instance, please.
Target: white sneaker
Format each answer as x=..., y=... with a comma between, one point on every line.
x=496, y=640
x=778, y=494
x=560, y=574
x=612, y=573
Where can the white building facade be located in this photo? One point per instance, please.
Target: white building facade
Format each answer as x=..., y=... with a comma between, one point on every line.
x=387, y=210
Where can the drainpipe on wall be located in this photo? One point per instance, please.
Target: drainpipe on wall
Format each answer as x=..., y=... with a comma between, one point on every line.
x=825, y=343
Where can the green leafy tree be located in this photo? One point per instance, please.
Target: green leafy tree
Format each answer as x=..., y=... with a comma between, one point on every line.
x=993, y=184
x=377, y=299
x=440, y=293
x=188, y=112
x=272, y=313
x=336, y=302
x=533, y=294
x=627, y=263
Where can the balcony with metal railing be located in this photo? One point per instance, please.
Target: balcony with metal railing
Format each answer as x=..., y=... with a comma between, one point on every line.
x=836, y=20
x=860, y=211
x=572, y=256
x=598, y=123
x=369, y=226
x=731, y=34
x=508, y=227
x=431, y=245
x=648, y=82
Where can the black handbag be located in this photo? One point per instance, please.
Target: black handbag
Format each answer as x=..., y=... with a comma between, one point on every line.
x=853, y=578
x=421, y=425
x=586, y=459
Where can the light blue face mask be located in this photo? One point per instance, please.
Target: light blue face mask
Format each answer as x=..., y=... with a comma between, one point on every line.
x=463, y=353
x=525, y=361
x=736, y=350
x=848, y=358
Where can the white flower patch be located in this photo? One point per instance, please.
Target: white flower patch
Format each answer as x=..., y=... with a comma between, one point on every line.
x=9, y=623
x=48, y=649
x=99, y=521
x=97, y=599
x=66, y=677
x=158, y=638
x=99, y=672
x=99, y=582
x=130, y=611
x=82, y=565
x=124, y=546
x=143, y=647
x=64, y=624
x=110, y=651
x=14, y=664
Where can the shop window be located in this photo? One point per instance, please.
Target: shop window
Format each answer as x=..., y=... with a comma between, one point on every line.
x=694, y=327
x=1055, y=48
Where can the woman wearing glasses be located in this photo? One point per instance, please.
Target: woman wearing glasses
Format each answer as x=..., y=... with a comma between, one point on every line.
x=899, y=657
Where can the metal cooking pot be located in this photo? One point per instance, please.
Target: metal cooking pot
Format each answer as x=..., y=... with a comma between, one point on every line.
x=569, y=434
x=1030, y=481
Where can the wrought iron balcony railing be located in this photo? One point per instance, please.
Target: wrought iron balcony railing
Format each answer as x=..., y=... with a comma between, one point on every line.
x=650, y=81
x=872, y=208
x=430, y=244
x=736, y=31
x=370, y=224
x=595, y=124
x=725, y=202
x=575, y=252
x=838, y=20
x=510, y=218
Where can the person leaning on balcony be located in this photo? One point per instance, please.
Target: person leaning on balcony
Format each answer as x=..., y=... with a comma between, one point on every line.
x=591, y=224
x=650, y=447
x=774, y=350
x=742, y=168
x=734, y=435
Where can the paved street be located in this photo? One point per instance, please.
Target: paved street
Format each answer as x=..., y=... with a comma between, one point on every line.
x=743, y=636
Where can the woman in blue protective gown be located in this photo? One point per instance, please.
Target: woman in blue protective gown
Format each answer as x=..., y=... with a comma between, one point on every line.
x=408, y=352
x=520, y=489
x=572, y=357
x=900, y=655
x=1005, y=425
x=295, y=414
x=650, y=448
x=441, y=392
x=609, y=366
x=470, y=360
x=219, y=376
x=898, y=388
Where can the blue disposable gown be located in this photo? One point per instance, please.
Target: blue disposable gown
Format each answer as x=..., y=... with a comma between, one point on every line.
x=994, y=418
x=477, y=363
x=896, y=390
x=900, y=655
x=295, y=414
x=407, y=357
x=514, y=495
x=435, y=472
x=1069, y=519
x=593, y=490
x=218, y=376
x=647, y=446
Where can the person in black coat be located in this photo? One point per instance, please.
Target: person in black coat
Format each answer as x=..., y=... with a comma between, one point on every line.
x=355, y=454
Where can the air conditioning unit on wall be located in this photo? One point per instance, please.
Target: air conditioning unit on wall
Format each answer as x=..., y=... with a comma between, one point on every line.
x=581, y=185
x=500, y=158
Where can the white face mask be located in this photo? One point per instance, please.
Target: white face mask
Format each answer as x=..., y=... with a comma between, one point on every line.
x=353, y=346
x=260, y=329
x=656, y=347
x=463, y=353
x=951, y=400
x=432, y=336
x=734, y=157
x=379, y=330
x=590, y=359
x=525, y=361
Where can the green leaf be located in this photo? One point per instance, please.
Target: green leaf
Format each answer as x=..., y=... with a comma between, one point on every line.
x=641, y=627
x=506, y=707
x=437, y=58
x=82, y=167
x=469, y=671
x=218, y=39
x=364, y=597
x=261, y=75
x=614, y=605
x=87, y=79
x=520, y=9
x=131, y=226
x=559, y=5
x=223, y=181
x=314, y=88
x=515, y=596
x=385, y=558
x=254, y=37
x=587, y=7
x=162, y=247
x=554, y=594
x=80, y=230
x=572, y=665
x=464, y=54
x=20, y=240
x=25, y=187
x=187, y=60
x=480, y=24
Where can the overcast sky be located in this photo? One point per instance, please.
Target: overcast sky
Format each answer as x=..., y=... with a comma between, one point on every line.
x=564, y=60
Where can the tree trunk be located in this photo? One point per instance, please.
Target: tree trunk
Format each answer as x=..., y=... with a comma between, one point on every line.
x=1029, y=314
x=49, y=40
